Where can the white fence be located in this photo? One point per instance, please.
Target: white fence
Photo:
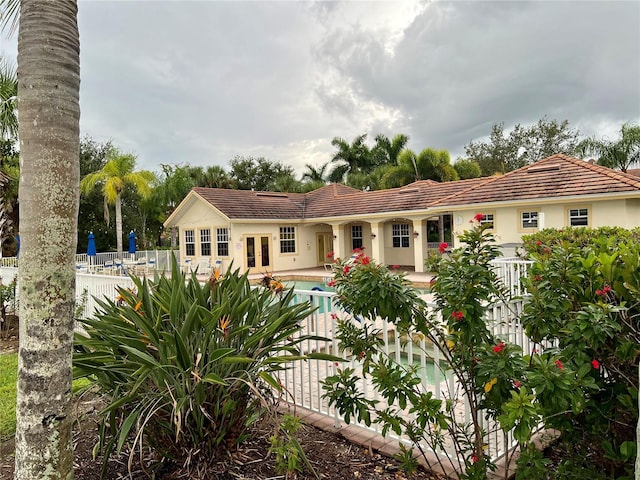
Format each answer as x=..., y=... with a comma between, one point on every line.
x=510, y=271
x=303, y=379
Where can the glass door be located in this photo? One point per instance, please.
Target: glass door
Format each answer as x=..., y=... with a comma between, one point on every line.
x=258, y=253
x=324, y=243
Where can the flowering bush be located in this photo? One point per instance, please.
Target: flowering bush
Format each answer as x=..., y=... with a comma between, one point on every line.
x=582, y=312
x=585, y=298
x=486, y=368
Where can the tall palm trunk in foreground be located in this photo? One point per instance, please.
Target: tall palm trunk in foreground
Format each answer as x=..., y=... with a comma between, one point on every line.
x=48, y=99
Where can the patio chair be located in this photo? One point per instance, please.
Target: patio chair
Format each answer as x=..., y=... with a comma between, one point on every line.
x=186, y=265
x=204, y=268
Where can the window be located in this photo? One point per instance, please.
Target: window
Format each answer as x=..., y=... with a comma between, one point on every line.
x=487, y=219
x=356, y=236
x=205, y=242
x=529, y=219
x=222, y=242
x=579, y=217
x=189, y=243
x=287, y=239
x=400, y=235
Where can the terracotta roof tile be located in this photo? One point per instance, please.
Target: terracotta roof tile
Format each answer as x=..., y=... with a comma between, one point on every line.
x=556, y=176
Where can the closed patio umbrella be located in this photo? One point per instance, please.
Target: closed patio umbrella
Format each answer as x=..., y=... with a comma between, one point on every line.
x=132, y=242
x=91, y=245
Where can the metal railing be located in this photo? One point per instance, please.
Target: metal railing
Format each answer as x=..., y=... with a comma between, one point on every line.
x=302, y=380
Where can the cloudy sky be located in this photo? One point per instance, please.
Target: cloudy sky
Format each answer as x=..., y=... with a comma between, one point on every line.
x=200, y=82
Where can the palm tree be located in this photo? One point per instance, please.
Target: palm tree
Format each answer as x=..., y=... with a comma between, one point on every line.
x=429, y=164
x=350, y=158
x=386, y=152
x=620, y=154
x=49, y=130
x=117, y=173
x=8, y=101
x=316, y=175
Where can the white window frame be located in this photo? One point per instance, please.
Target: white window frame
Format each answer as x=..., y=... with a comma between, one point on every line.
x=532, y=222
x=288, y=239
x=222, y=242
x=205, y=242
x=491, y=221
x=190, y=243
x=400, y=236
x=356, y=237
x=581, y=214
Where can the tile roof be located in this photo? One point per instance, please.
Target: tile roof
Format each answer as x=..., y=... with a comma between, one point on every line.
x=552, y=177
x=556, y=176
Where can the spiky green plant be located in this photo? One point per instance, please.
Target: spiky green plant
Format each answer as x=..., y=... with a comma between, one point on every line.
x=188, y=367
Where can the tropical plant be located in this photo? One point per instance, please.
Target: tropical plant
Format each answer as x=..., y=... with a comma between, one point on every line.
x=429, y=164
x=8, y=101
x=49, y=131
x=465, y=289
x=354, y=157
x=585, y=291
x=313, y=174
x=386, y=151
x=290, y=457
x=118, y=172
x=466, y=168
x=619, y=154
x=189, y=367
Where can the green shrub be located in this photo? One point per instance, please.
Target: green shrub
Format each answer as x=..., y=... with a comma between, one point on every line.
x=189, y=367
x=585, y=297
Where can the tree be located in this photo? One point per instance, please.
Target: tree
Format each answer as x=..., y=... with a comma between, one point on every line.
x=260, y=174
x=117, y=173
x=313, y=174
x=350, y=158
x=91, y=216
x=429, y=164
x=8, y=99
x=522, y=146
x=619, y=154
x=386, y=151
x=49, y=130
x=466, y=168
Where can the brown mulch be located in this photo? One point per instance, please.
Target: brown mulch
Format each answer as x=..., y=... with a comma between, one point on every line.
x=331, y=455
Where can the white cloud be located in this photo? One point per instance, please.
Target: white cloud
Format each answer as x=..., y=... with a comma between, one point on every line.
x=202, y=82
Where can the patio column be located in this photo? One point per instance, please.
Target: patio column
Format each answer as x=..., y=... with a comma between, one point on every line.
x=419, y=245
x=377, y=242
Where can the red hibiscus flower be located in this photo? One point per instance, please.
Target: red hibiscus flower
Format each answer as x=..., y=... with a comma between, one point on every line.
x=478, y=217
x=443, y=247
x=498, y=348
x=595, y=364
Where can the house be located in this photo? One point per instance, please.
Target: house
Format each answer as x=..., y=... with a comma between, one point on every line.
x=269, y=231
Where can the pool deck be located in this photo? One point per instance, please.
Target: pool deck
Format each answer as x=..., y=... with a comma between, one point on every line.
x=419, y=279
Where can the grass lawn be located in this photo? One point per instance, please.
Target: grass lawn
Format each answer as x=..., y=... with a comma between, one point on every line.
x=8, y=378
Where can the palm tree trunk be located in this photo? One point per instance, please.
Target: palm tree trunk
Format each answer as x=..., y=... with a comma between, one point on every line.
x=119, y=225
x=48, y=92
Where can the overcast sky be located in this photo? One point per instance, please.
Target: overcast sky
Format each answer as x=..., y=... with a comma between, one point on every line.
x=200, y=82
